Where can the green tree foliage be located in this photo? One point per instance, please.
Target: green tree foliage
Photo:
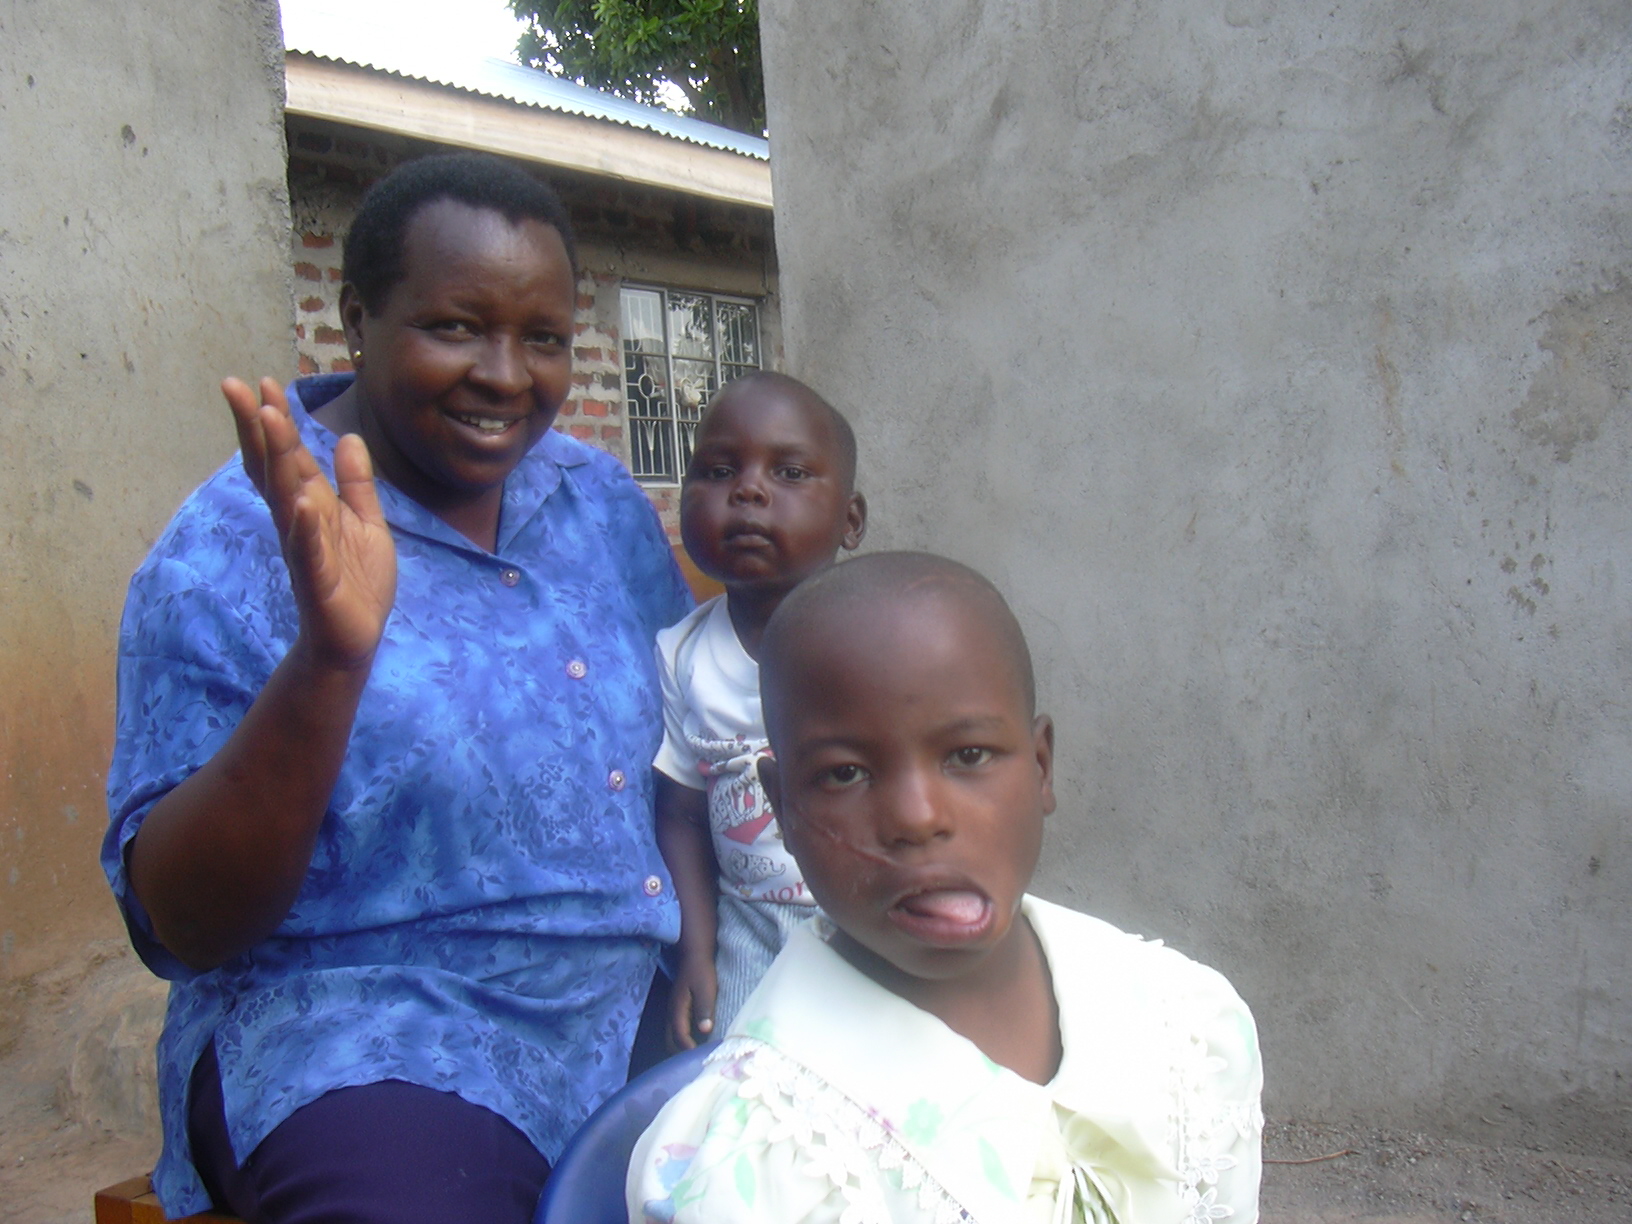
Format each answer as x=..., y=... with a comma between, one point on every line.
x=708, y=48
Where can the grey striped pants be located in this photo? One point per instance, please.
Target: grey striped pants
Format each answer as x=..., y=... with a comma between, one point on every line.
x=751, y=933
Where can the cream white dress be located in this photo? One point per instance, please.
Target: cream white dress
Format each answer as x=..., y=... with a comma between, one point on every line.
x=832, y=1099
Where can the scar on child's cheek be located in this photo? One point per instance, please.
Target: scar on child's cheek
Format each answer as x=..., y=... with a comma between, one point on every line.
x=868, y=853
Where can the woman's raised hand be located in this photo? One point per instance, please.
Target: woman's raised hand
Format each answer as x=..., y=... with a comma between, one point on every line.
x=341, y=558
x=221, y=858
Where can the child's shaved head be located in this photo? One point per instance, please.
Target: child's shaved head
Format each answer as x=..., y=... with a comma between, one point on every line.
x=831, y=420
x=850, y=596
x=912, y=773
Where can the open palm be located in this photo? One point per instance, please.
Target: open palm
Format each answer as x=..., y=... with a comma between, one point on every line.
x=341, y=558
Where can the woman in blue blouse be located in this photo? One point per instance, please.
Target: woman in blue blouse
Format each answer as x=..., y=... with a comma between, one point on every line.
x=380, y=799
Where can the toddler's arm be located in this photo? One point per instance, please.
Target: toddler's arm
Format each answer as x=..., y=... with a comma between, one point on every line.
x=688, y=850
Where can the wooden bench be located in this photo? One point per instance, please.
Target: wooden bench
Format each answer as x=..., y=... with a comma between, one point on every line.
x=133, y=1202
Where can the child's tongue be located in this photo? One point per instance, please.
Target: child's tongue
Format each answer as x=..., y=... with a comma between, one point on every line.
x=947, y=905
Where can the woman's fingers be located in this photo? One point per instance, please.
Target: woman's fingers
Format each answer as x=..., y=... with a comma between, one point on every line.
x=246, y=419
x=273, y=397
x=354, y=479
x=289, y=468
x=305, y=551
x=342, y=562
x=343, y=570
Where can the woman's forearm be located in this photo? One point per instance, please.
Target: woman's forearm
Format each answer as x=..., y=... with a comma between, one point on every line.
x=219, y=860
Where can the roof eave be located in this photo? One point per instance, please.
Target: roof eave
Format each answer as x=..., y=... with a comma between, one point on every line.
x=366, y=97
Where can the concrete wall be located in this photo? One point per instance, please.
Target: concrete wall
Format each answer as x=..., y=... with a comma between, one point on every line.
x=143, y=254
x=1275, y=359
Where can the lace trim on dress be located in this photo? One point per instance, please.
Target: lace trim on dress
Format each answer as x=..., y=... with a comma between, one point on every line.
x=1202, y=1128
x=841, y=1141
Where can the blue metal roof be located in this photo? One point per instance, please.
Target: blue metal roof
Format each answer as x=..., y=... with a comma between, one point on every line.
x=497, y=78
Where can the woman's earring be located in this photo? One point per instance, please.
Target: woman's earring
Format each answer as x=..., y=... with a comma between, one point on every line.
x=357, y=357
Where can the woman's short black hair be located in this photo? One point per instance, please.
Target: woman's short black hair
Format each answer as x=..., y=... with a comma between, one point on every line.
x=373, y=254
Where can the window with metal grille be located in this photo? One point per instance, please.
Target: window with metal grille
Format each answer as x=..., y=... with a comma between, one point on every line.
x=679, y=347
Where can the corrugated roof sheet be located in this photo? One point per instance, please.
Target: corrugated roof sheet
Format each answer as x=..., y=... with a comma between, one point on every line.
x=497, y=78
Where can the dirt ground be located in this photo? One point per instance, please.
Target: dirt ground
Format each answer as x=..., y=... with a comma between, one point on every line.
x=1391, y=1178
x=49, y=1172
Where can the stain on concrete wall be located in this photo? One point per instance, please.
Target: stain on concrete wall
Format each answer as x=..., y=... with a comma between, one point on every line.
x=1589, y=339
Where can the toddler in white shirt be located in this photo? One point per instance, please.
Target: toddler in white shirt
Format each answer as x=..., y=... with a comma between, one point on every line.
x=769, y=499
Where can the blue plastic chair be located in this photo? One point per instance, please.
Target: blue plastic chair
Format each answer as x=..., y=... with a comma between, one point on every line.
x=586, y=1185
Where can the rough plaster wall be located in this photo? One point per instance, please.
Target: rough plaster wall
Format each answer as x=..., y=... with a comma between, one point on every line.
x=143, y=253
x=1275, y=359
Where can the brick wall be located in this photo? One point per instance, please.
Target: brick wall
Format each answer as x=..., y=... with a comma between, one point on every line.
x=625, y=232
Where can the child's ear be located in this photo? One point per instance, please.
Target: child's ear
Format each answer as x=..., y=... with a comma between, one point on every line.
x=770, y=780
x=1042, y=730
x=855, y=522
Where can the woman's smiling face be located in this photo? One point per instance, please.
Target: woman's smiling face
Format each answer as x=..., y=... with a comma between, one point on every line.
x=467, y=360
x=911, y=780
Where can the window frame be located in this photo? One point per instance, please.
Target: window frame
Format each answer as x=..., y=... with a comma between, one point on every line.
x=673, y=424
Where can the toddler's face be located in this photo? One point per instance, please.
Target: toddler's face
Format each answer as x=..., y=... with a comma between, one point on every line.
x=911, y=781
x=766, y=502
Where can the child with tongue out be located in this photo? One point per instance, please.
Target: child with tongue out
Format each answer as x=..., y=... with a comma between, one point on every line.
x=769, y=499
x=941, y=1045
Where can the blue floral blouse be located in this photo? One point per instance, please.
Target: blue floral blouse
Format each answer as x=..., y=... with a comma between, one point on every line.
x=486, y=900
